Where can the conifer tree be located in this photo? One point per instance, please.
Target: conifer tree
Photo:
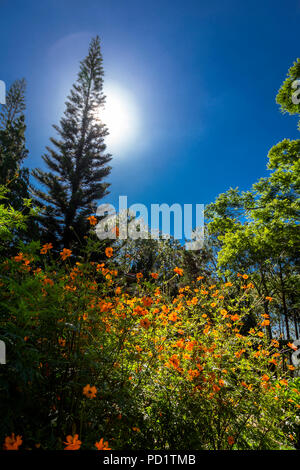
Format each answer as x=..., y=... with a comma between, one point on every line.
x=12, y=145
x=78, y=161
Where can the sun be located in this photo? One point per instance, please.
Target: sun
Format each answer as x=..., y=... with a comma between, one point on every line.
x=120, y=116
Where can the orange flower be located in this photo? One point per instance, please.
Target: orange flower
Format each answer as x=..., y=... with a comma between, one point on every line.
x=147, y=301
x=239, y=353
x=234, y=317
x=265, y=378
x=12, y=442
x=45, y=248
x=178, y=271
x=230, y=440
x=109, y=252
x=173, y=316
x=174, y=361
x=193, y=373
x=199, y=278
x=92, y=220
x=89, y=392
x=19, y=257
x=245, y=276
x=283, y=382
x=138, y=310
x=72, y=443
x=102, y=445
x=269, y=299
x=154, y=275
x=62, y=342
x=273, y=361
x=139, y=276
x=292, y=346
x=145, y=323
x=65, y=253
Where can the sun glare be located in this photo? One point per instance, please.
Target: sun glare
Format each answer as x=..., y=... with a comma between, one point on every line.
x=121, y=118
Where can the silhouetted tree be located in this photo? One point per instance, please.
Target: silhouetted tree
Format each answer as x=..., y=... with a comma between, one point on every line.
x=78, y=161
x=12, y=145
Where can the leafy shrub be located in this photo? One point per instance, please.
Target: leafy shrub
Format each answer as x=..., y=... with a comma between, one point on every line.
x=142, y=370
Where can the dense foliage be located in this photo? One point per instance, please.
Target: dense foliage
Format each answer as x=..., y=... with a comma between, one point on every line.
x=141, y=371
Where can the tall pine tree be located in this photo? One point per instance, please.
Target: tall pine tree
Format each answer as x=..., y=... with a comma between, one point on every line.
x=78, y=163
x=12, y=145
x=14, y=177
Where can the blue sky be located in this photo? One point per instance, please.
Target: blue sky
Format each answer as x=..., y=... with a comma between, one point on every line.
x=204, y=76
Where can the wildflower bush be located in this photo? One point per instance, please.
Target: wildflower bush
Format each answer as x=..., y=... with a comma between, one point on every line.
x=94, y=364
